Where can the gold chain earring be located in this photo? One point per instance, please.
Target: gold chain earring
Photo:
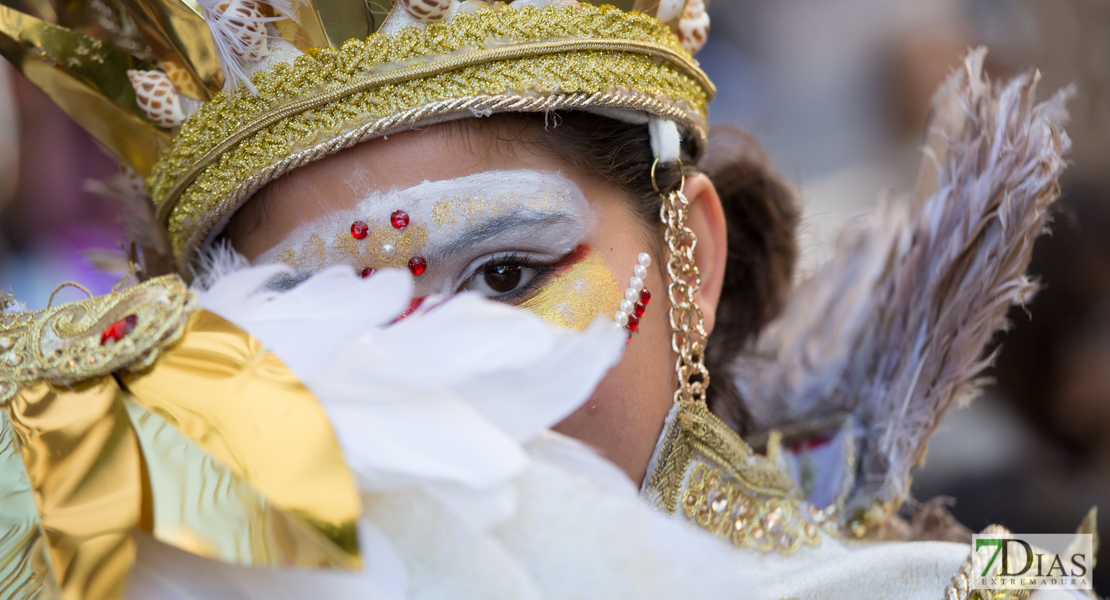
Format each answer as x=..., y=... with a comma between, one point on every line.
x=688, y=335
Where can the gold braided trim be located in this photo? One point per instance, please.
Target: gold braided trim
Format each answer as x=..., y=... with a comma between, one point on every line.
x=523, y=52
x=413, y=118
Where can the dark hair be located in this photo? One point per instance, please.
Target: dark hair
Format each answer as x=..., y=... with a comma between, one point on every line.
x=759, y=207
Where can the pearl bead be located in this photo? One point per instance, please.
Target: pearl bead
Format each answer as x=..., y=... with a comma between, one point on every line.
x=388, y=250
x=645, y=259
x=631, y=295
x=636, y=283
x=640, y=271
x=627, y=307
x=621, y=318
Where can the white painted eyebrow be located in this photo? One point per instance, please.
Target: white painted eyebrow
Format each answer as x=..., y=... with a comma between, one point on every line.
x=518, y=221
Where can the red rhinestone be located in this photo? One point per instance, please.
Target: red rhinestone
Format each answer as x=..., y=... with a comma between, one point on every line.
x=639, y=310
x=633, y=322
x=367, y=272
x=116, y=331
x=399, y=219
x=645, y=296
x=418, y=265
x=359, y=230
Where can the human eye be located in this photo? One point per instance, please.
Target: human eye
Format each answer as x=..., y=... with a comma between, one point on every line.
x=506, y=278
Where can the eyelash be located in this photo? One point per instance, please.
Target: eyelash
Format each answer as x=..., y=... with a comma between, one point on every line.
x=543, y=272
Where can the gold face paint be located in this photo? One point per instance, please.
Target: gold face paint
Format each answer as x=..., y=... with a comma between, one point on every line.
x=317, y=252
x=575, y=296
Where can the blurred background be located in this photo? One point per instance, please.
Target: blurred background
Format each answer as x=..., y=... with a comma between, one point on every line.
x=838, y=92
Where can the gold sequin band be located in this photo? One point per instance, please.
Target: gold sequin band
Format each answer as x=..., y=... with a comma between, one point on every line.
x=518, y=60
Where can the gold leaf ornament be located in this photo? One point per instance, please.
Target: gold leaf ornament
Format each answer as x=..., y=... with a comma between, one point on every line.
x=179, y=405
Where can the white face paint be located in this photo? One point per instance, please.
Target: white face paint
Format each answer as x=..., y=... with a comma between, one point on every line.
x=456, y=226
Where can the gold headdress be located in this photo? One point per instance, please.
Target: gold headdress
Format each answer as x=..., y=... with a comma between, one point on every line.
x=157, y=81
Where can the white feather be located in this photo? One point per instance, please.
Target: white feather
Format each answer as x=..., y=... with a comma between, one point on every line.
x=231, y=46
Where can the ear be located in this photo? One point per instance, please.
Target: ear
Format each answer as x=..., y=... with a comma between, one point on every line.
x=707, y=220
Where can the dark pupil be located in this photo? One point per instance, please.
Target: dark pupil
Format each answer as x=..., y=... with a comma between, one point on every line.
x=503, y=278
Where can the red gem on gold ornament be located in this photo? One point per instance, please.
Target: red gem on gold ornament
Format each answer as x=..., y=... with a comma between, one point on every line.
x=367, y=272
x=359, y=229
x=633, y=323
x=645, y=296
x=418, y=265
x=639, y=310
x=118, y=330
x=399, y=219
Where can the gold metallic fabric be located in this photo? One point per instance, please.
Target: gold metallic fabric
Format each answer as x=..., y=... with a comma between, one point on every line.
x=601, y=57
x=184, y=426
x=574, y=298
x=238, y=404
x=104, y=20
x=82, y=461
x=330, y=23
x=176, y=32
x=63, y=344
x=708, y=476
x=201, y=506
x=25, y=570
x=88, y=80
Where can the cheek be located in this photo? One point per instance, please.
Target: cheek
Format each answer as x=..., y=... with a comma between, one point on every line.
x=624, y=416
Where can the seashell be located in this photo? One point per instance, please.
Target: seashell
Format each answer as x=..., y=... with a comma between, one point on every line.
x=693, y=29
x=669, y=10
x=426, y=11
x=157, y=97
x=243, y=24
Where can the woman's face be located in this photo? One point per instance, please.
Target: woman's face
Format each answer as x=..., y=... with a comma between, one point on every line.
x=467, y=213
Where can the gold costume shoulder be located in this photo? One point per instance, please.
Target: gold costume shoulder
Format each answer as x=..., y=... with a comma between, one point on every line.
x=118, y=413
x=707, y=475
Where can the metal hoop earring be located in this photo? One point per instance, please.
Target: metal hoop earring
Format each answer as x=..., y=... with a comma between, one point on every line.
x=688, y=335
